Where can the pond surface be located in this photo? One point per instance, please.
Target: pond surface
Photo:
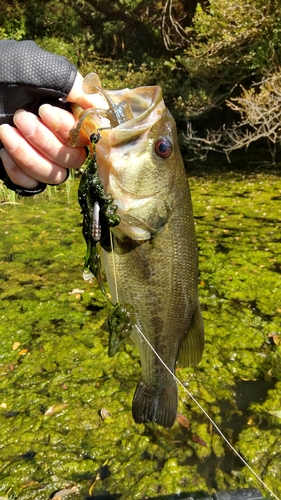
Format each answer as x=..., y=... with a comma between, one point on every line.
x=56, y=377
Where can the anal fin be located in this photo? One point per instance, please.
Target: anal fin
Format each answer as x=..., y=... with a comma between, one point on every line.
x=192, y=346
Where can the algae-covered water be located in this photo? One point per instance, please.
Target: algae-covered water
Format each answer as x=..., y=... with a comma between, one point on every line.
x=56, y=377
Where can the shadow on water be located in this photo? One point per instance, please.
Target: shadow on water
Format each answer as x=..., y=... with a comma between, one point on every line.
x=248, y=162
x=247, y=393
x=233, y=422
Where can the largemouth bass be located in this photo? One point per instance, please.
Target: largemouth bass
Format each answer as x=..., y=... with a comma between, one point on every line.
x=153, y=266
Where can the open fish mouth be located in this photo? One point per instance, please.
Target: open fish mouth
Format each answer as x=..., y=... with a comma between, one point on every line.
x=147, y=106
x=127, y=113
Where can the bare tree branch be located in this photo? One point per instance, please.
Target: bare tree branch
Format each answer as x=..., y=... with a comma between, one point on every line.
x=260, y=111
x=174, y=36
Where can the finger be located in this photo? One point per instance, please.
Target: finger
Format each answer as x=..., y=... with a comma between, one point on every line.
x=28, y=159
x=46, y=142
x=15, y=173
x=60, y=122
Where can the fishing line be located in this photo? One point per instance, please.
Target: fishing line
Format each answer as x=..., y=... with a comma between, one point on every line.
x=206, y=414
x=187, y=391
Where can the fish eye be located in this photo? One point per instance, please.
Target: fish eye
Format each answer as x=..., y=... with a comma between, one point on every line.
x=163, y=147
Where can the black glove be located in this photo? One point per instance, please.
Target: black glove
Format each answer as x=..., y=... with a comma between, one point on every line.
x=29, y=77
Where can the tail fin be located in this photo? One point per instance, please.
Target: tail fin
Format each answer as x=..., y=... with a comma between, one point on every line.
x=155, y=405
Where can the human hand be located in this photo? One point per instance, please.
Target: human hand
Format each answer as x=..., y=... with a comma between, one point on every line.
x=36, y=149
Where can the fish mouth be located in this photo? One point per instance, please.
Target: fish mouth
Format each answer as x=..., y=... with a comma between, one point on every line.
x=146, y=104
x=144, y=107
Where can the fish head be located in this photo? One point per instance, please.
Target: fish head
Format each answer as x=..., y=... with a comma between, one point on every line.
x=139, y=162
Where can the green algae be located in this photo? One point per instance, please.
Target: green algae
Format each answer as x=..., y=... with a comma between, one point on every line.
x=55, y=375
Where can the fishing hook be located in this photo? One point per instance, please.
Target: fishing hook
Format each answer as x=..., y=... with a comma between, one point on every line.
x=94, y=138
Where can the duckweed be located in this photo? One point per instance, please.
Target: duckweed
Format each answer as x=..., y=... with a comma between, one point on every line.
x=55, y=375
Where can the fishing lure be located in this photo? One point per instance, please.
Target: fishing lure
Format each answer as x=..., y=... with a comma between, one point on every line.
x=116, y=113
x=98, y=210
x=120, y=324
x=99, y=216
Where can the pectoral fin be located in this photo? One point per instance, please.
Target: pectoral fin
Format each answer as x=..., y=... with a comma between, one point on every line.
x=192, y=346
